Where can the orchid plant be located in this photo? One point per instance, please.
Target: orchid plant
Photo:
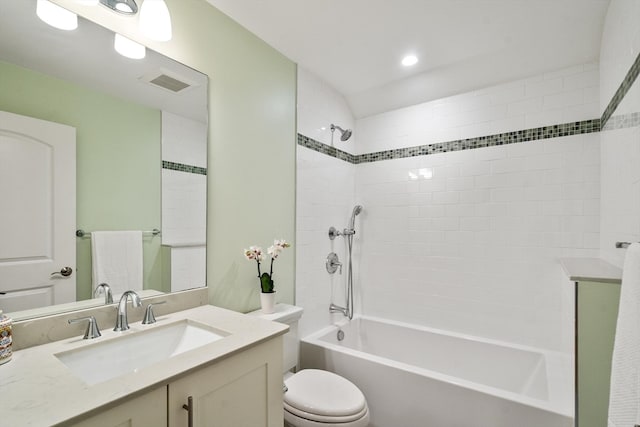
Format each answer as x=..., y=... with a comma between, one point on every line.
x=255, y=253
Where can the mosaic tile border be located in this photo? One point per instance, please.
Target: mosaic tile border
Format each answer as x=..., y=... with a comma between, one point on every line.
x=622, y=121
x=325, y=149
x=626, y=84
x=183, y=168
x=545, y=132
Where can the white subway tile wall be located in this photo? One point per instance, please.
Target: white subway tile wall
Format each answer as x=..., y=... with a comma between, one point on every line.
x=325, y=196
x=184, y=140
x=620, y=147
x=564, y=96
x=474, y=247
x=619, y=47
x=468, y=240
x=184, y=195
x=184, y=208
x=319, y=105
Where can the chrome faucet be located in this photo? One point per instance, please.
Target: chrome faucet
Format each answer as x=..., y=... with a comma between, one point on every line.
x=337, y=309
x=122, y=324
x=108, y=296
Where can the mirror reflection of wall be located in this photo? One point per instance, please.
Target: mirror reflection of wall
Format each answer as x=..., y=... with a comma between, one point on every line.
x=120, y=109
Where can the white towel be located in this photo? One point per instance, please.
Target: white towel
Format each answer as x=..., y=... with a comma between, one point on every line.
x=624, y=399
x=117, y=260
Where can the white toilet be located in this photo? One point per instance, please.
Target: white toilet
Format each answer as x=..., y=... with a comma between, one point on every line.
x=315, y=398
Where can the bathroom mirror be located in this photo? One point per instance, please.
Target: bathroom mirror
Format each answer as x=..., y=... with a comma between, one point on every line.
x=141, y=150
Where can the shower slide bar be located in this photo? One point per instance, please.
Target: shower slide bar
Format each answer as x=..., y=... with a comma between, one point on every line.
x=82, y=233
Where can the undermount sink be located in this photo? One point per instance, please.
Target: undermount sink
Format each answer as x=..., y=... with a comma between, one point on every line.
x=103, y=361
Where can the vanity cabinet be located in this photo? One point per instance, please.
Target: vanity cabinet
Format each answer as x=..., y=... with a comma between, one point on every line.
x=147, y=410
x=242, y=390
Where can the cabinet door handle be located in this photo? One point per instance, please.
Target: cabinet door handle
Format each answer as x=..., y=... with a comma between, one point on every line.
x=189, y=408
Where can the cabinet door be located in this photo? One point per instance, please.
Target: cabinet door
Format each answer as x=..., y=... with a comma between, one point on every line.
x=244, y=390
x=148, y=410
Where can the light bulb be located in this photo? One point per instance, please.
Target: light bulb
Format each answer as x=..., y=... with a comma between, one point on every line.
x=129, y=48
x=409, y=60
x=56, y=16
x=155, y=20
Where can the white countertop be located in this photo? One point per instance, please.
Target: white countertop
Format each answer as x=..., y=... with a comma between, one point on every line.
x=37, y=389
x=591, y=270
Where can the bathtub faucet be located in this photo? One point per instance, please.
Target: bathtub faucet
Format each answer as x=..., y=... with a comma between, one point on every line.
x=337, y=309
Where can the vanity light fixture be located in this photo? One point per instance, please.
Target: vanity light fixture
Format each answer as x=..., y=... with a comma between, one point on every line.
x=56, y=16
x=409, y=60
x=129, y=48
x=155, y=20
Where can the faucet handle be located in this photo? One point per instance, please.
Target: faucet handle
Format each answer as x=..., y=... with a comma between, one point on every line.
x=149, y=318
x=92, y=327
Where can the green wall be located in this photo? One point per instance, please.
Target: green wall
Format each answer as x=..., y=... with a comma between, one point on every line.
x=118, y=159
x=252, y=141
x=597, y=313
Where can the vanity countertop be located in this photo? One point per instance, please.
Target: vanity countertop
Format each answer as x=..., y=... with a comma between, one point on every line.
x=37, y=389
x=591, y=270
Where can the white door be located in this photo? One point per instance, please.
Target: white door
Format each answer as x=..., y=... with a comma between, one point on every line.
x=37, y=212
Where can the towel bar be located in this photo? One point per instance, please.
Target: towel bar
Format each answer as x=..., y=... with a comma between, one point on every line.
x=82, y=233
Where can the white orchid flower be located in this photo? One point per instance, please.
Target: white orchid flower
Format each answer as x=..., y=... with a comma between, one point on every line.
x=274, y=251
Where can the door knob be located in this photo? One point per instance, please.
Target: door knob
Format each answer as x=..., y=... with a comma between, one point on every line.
x=64, y=272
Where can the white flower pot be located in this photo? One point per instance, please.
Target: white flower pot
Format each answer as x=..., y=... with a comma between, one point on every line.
x=268, y=302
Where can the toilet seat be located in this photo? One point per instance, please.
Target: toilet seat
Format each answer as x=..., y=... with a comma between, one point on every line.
x=317, y=398
x=292, y=420
x=325, y=418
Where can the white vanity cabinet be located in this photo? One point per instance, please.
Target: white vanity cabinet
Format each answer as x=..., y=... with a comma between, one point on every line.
x=242, y=390
x=147, y=410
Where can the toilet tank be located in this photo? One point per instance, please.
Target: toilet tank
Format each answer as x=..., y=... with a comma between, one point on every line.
x=289, y=315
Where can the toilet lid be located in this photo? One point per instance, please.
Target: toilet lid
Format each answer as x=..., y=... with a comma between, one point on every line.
x=323, y=393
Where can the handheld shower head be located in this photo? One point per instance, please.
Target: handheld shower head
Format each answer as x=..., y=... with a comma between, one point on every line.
x=344, y=134
x=356, y=211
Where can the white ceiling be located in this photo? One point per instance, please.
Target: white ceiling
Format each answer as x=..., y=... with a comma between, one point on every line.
x=356, y=45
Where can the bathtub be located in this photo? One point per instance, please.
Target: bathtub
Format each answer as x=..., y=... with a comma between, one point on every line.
x=422, y=377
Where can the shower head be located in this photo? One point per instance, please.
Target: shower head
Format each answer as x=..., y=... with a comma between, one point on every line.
x=356, y=211
x=344, y=134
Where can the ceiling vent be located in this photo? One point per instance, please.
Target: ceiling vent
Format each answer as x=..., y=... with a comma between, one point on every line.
x=168, y=81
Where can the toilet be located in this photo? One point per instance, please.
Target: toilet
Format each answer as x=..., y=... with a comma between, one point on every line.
x=314, y=398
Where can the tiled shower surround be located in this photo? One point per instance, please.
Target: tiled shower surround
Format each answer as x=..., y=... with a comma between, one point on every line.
x=468, y=239
x=465, y=239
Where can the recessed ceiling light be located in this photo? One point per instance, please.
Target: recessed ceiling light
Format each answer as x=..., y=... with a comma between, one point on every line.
x=409, y=60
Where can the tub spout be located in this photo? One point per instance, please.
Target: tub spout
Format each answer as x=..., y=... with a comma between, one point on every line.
x=337, y=309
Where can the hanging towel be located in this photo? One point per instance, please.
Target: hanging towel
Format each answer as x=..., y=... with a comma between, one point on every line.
x=624, y=398
x=117, y=260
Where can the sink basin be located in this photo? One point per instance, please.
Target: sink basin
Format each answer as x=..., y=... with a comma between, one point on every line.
x=103, y=361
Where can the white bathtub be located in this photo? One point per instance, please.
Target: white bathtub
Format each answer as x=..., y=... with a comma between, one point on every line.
x=421, y=377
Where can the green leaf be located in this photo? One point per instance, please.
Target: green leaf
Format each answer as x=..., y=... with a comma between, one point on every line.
x=266, y=283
